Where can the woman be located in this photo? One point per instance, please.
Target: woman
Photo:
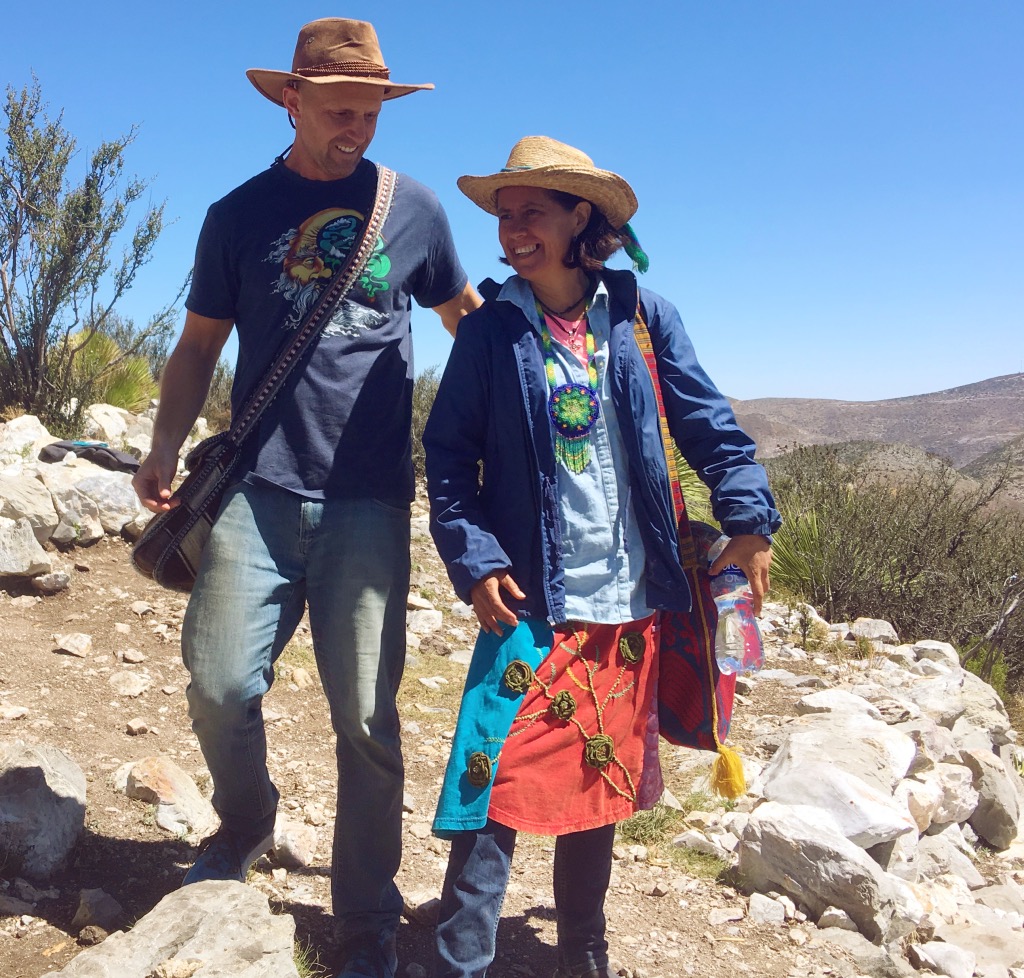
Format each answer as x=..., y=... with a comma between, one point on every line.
x=565, y=544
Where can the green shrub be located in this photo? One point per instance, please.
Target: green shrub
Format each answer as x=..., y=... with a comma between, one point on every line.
x=424, y=390
x=928, y=553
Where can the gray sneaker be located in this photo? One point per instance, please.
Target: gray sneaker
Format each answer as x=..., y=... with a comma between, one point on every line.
x=370, y=956
x=227, y=855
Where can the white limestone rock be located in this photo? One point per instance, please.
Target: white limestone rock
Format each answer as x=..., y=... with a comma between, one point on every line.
x=937, y=652
x=424, y=622
x=180, y=808
x=898, y=857
x=935, y=744
x=864, y=814
x=104, y=422
x=800, y=850
x=997, y=946
x=873, y=751
x=922, y=800
x=42, y=808
x=940, y=697
x=114, y=498
x=875, y=629
x=942, y=959
x=936, y=856
x=221, y=927
x=22, y=438
x=997, y=816
x=20, y=553
x=835, y=701
x=959, y=797
x=27, y=498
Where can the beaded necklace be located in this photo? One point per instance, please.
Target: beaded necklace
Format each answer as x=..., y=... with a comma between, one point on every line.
x=572, y=408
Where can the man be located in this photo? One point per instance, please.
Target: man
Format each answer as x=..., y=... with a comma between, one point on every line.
x=320, y=514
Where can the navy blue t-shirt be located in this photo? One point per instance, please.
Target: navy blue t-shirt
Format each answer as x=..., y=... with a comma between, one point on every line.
x=340, y=426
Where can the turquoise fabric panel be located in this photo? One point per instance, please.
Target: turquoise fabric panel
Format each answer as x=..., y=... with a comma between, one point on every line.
x=485, y=717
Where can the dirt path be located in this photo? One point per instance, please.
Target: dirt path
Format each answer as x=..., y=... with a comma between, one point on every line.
x=658, y=906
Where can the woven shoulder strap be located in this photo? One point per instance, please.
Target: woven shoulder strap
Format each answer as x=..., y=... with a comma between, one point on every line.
x=687, y=549
x=341, y=284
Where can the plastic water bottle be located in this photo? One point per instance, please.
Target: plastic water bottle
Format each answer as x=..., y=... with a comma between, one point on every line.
x=738, y=645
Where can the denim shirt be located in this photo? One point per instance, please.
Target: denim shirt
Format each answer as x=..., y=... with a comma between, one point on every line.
x=602, y=550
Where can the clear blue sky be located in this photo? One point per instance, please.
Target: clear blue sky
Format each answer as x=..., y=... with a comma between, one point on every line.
x=831, y=193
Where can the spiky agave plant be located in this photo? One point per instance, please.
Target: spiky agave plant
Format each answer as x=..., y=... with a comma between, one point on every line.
x=101, y=373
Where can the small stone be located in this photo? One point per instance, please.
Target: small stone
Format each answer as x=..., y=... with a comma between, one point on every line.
x=798, y=936
x=73, y=643
x=130, y=684
x=765, y=910
x=724, y=915
x=141, y=608
x=302, y=678
x=52, y=583
x=408, y=803
x=132, y=656
x=433, y=682
x=91, y=935
x=136, y=727
x=419, y=830
x=422, y=907
x=97, y=908
x=8, y=711
x=416, y=602
x=25, y=601
x=660, y=890
x=834, y=917
x=122, y=629
x=294, y=845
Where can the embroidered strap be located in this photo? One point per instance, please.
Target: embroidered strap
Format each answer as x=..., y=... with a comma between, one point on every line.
x=727, y=774
x=331, y=297
x=687, y=548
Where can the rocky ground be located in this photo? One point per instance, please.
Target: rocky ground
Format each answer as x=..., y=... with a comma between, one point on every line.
x=120, y=697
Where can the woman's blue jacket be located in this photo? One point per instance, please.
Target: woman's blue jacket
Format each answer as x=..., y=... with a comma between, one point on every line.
x=490, y=461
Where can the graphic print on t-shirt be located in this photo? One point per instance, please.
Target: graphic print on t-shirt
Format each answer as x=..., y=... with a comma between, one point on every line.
x=312, y=253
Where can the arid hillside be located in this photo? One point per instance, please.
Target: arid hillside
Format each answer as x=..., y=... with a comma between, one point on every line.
x=962, y=424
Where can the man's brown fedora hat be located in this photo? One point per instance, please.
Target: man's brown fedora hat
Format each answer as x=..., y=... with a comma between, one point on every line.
x=331, y=50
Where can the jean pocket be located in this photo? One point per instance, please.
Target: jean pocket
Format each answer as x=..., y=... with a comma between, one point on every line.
x=395, y=509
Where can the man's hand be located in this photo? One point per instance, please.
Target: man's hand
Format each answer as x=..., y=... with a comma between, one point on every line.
x=152, y=482
x=752, y=554
x=490, y=609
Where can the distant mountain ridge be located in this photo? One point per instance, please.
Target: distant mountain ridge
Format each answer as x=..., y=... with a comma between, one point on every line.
x=961, y=424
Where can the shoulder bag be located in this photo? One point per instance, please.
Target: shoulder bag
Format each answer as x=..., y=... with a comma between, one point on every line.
x=171, y=546
x=695, y=699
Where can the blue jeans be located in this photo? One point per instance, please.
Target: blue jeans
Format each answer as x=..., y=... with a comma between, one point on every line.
x=474, y=890
x=270, y=552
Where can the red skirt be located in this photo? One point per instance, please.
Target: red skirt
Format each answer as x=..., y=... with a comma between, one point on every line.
x=579, y=746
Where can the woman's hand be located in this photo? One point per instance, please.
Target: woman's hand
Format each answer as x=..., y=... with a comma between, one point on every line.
x=752, y=554
x=490, y=609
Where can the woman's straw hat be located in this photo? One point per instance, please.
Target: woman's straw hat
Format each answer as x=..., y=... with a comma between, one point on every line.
x=539, y=161
x=329, y=51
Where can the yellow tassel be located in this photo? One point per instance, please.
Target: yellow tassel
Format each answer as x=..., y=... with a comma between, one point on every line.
x=727, y=777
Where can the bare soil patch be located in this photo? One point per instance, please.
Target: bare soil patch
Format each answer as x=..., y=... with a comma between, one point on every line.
x=657, y=906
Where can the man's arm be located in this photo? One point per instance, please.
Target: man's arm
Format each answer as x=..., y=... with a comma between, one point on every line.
x=183, y=389
x=454, y=309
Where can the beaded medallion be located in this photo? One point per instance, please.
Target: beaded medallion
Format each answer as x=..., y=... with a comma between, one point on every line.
x=572, y=408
